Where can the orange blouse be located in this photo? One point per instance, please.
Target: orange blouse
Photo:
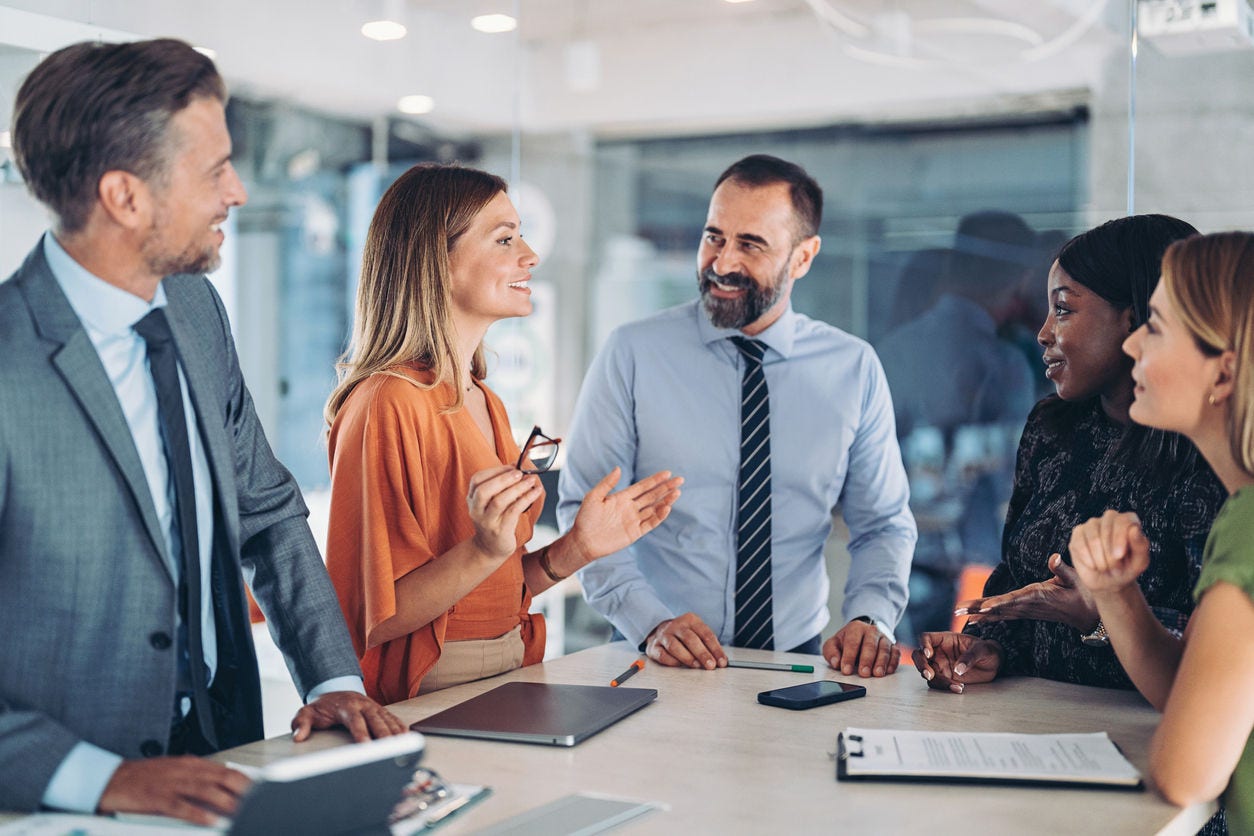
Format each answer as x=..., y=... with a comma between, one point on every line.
x=400, y=473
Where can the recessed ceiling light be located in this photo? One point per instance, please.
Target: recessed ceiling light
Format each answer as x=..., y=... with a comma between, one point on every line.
x=211, y=54
x=494, y=24
x=416, y=105
x=303, y=163
x=384, y=30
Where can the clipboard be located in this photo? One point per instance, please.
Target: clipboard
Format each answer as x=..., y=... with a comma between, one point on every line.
x=1087, y=761
x=461, y=797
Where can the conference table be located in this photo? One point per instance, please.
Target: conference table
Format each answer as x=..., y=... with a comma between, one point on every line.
x=719, y=762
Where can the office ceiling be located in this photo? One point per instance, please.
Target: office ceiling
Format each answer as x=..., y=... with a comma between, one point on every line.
x=638, y=66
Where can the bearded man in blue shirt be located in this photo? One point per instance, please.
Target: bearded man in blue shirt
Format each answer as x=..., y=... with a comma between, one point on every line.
x=774, y=420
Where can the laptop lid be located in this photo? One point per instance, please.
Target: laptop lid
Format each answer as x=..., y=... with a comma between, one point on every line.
x=537, y=712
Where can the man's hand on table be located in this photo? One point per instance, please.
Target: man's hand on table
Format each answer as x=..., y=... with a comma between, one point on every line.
x=201, y=791
x=196, y=790
x=685, y=641
x=859, y=647
x=363, y=717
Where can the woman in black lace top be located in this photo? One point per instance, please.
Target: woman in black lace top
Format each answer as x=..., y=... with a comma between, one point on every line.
x=1080, y=455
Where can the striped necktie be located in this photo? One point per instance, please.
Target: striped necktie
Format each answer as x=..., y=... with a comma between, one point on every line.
x=753, y=514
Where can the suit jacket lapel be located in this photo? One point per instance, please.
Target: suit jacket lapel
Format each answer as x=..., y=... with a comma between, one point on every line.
x=202, y=381
x=76, y=360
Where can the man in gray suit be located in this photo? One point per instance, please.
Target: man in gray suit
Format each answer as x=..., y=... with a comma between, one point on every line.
x=136, y=485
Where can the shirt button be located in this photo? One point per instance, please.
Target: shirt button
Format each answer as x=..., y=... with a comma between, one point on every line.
x=151, y=749
x=160, y=640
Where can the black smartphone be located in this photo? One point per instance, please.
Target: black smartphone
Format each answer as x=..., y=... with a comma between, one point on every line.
x=811, y=694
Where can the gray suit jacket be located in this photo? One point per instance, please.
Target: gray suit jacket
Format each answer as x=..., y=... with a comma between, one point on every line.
x=87, y=602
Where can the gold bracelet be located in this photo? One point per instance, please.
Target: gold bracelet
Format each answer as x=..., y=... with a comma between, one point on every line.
x=542, y=557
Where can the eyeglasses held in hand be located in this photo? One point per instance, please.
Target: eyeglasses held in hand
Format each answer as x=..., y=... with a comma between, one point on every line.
x=424, y=790
x=539, y=453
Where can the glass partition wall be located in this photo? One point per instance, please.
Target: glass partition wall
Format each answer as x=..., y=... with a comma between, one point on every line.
x=947, y=130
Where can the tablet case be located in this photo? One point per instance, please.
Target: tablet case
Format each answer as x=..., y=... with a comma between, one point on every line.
x=348, y=789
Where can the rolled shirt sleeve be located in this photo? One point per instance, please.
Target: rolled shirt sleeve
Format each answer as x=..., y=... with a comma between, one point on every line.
x=602, y=437
x=875, y=504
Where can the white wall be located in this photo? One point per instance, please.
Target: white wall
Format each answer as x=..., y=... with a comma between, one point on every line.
x=22, y=220
x=1194, y=138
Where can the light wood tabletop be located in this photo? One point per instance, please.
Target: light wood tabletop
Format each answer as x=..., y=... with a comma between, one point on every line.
x=720, y=762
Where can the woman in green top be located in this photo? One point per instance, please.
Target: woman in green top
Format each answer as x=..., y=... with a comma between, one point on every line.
x=1194, y=374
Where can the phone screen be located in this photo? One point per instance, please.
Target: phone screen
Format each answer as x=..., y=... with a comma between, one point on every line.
x=811, y=694
x=814, y=690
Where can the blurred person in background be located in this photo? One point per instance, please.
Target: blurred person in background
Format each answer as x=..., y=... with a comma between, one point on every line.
x=960, y=394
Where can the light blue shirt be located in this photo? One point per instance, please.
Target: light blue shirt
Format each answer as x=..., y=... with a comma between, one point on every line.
x=664, y=394
x=108, y=315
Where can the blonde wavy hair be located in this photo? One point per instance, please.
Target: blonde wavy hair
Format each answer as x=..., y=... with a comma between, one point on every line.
x=1209, y=280
x=404, y=305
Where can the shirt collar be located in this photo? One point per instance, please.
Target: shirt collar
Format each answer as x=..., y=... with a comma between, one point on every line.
x=780, y=336
x=99, y=305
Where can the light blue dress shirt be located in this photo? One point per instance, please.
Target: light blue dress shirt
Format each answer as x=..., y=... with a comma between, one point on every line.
x=664, y=394
x=108, y=314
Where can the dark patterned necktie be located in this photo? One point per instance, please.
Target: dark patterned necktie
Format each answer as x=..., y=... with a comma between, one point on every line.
x=753, y=513
x=163, y=364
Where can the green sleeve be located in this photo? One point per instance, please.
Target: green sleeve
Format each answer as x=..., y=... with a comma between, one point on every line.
x=1229, y=552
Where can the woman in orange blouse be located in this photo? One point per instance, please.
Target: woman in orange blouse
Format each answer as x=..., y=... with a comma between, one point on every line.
x=429, y=514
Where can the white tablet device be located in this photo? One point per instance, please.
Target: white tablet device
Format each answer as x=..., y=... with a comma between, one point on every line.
x=348, y=789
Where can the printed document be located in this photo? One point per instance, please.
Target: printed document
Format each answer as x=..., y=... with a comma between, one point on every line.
x=980, y=756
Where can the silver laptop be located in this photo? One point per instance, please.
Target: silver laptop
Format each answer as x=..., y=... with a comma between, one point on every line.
x=536, y=712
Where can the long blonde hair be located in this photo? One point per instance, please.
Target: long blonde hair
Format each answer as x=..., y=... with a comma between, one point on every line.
x=404, y=305
x=1209, y=280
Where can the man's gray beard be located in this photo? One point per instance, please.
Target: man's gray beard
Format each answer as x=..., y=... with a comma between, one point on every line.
x=196, y=264
x=190, y=260
x=737, y=313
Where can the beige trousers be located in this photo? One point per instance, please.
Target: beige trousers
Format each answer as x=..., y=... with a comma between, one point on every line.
x=467, y=661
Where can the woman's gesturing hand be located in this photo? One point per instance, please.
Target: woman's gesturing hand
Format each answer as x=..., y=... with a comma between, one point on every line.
x=607, y=522
x=1061, y=598
x=1109, y=552
x=498, y=497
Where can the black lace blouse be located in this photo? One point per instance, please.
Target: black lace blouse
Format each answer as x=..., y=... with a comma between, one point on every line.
x=1070, y=468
